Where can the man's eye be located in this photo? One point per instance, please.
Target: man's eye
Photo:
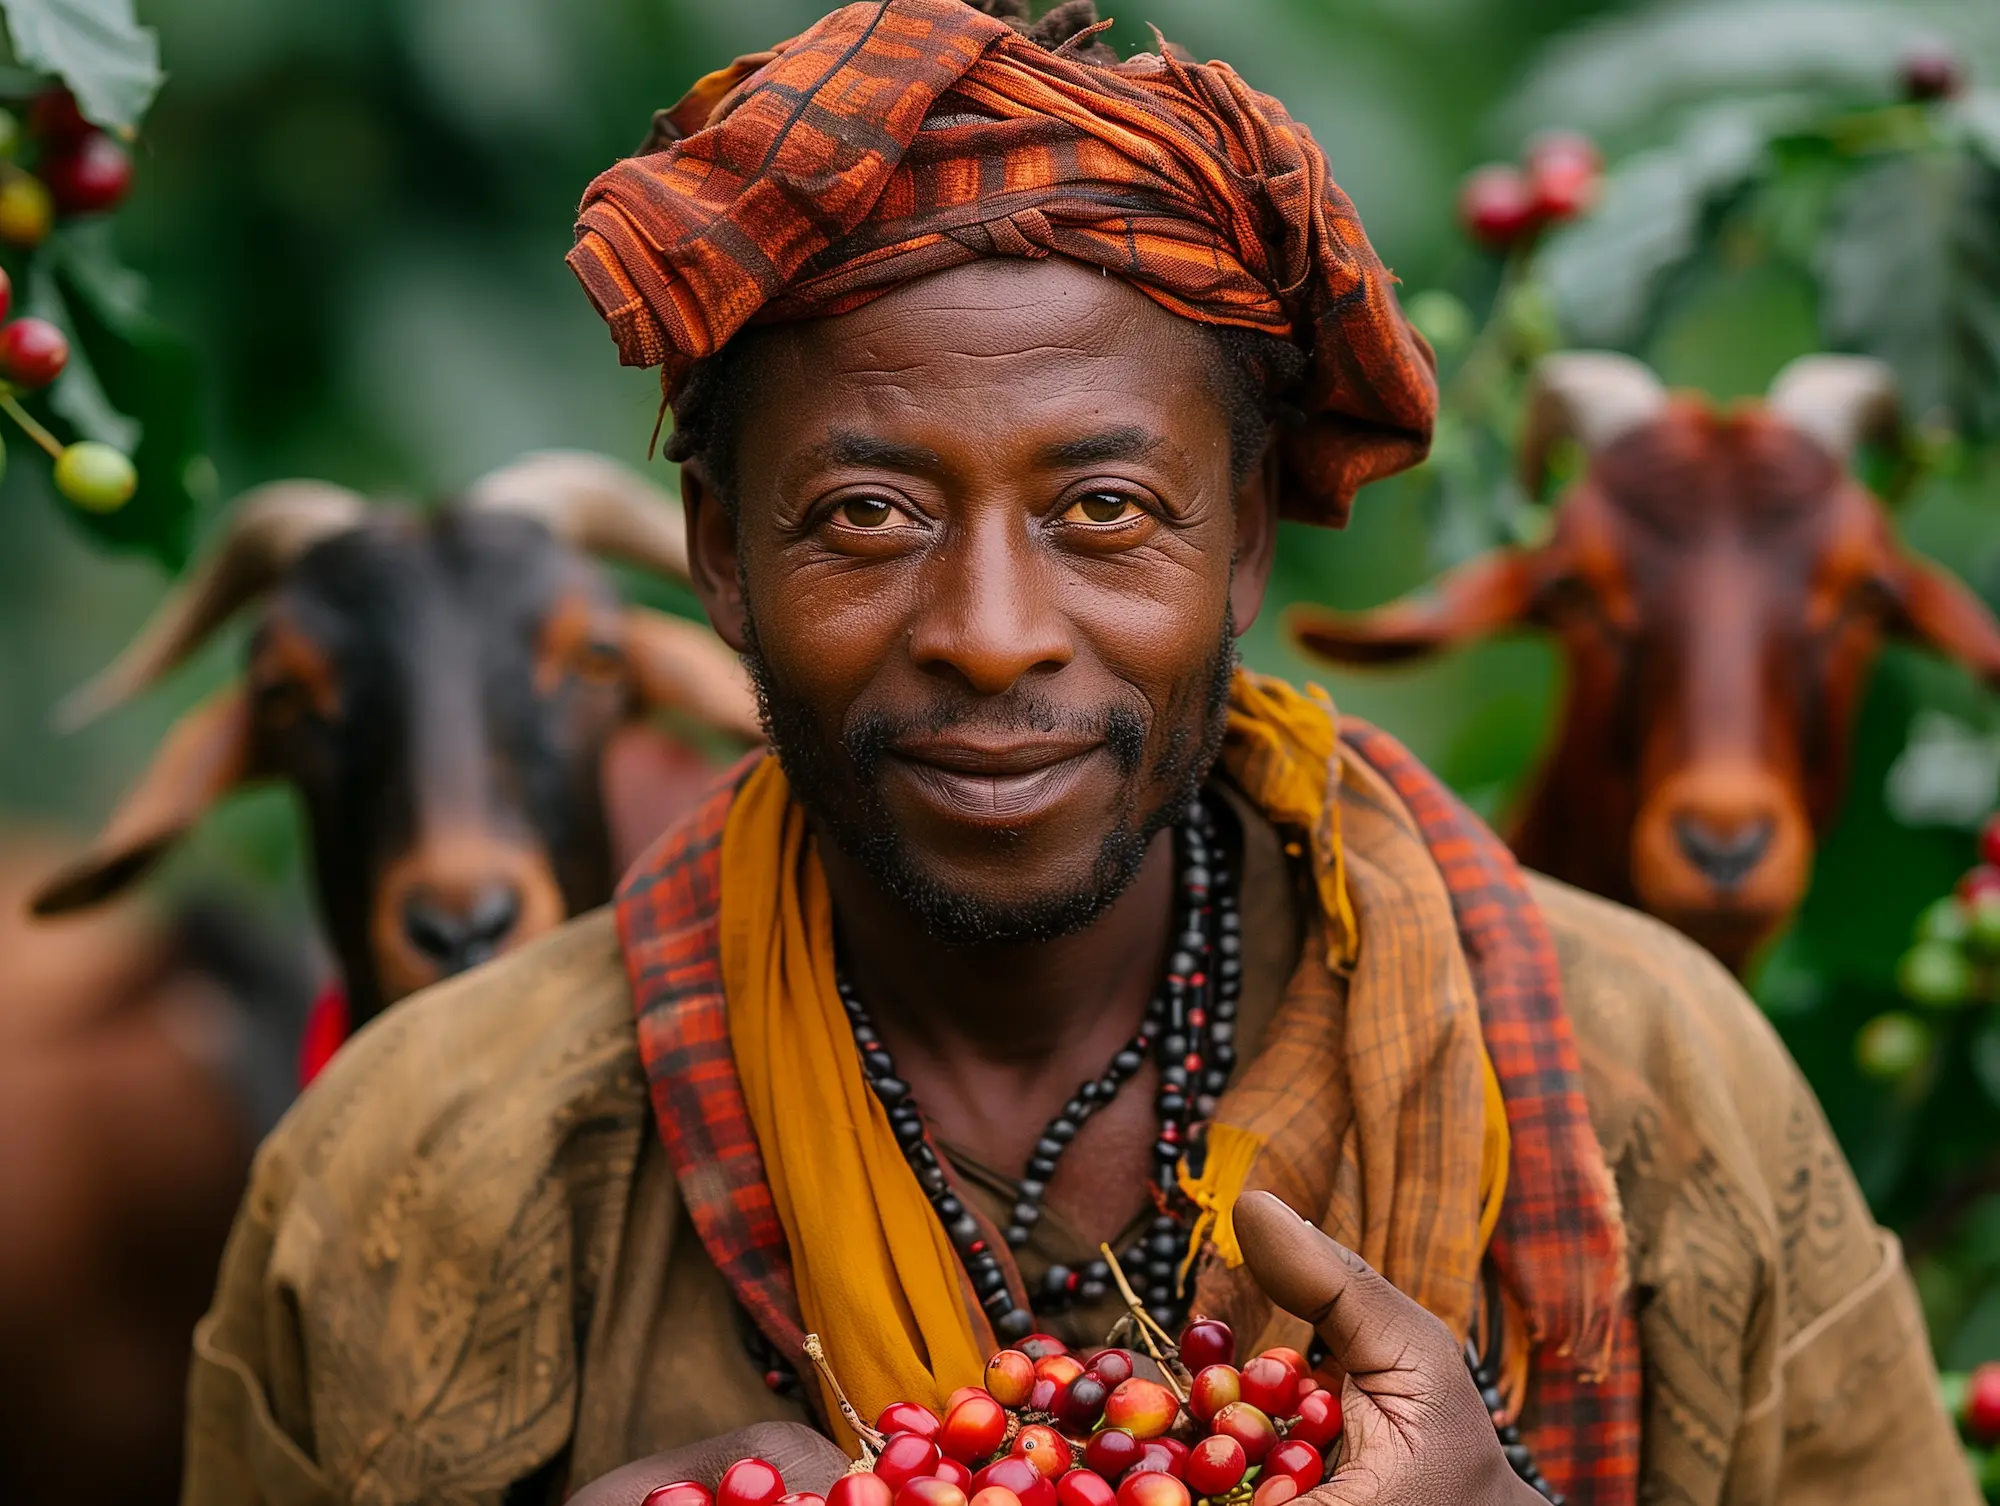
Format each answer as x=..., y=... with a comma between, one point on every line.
x=865, y=512
x=1103, y=507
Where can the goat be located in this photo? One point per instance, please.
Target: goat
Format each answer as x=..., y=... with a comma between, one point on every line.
x=1719, y=585
x=443, y=694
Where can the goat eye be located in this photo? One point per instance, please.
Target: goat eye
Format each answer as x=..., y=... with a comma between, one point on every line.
x=600, y=663
x=282, y=704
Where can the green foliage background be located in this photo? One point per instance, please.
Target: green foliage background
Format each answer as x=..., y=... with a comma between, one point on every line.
x=355, y=212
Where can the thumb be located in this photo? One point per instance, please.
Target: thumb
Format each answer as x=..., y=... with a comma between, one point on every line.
x=1368, y=1326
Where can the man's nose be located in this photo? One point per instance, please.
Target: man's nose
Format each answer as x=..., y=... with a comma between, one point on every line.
x=996, y=616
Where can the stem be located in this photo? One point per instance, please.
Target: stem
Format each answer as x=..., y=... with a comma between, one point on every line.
x=871, y=1441
x=1143, y=1321
x=11, y=405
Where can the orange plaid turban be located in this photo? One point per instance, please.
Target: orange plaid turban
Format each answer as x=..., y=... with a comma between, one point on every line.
x=901, y=137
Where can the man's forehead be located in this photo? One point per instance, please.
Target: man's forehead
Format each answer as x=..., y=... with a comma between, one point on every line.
x=999, y=313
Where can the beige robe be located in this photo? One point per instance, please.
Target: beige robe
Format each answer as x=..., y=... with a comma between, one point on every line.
x=463, y=1266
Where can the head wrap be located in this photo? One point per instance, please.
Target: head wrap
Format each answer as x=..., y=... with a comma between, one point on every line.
x=901, y=137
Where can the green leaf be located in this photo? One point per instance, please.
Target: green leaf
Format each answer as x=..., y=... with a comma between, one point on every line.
x=1910, y=271
x=1610, y=271
x=97, y=47
x=128, y=380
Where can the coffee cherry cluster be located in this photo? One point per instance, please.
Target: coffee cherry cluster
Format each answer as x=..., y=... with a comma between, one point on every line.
x=1051, y=1428
x=1953, y=962
x=1502, y=206
x=72, y=169
x=33, y=353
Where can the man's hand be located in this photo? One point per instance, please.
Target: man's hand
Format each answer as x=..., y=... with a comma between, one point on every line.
x=807, y=1460
x=1415, y=1431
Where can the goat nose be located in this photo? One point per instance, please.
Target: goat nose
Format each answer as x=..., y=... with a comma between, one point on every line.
x=1724, y=858
x=459, y=937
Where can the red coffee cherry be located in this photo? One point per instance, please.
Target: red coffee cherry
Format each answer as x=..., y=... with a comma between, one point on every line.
x=1496, y=206
x=33, y=352
x=1205, y=1342
x=749, y=1482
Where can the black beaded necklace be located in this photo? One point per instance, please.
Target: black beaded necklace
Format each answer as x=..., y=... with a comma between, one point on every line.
x=1189, y=1029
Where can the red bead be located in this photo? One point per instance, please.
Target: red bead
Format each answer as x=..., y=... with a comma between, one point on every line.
x=1192, y=1062
x=1297, y=1458
x=1198, y=980
x=1205, y=1342
x=908, y=1417
x=749, y=1482
x=1982, y=1404
x=1216, y=1466
x=1080, y=1487
x=1319, y=1419
x=1197, y=1017
x=33, y=352
x=775, y=1379
x=680, y=1493
x=1496, y=205
x=907, y=1457
x=977, y=1247
x=1271, y=1386
x=87, y=176
x=1171, y=1133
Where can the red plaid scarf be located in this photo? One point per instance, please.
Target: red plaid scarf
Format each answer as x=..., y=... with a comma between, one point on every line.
x=1555, y=1225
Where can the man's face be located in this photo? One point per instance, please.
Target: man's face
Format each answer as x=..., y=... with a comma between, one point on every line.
x=982, y=568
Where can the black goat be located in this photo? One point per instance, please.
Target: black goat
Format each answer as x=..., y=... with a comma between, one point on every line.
x=443, y=693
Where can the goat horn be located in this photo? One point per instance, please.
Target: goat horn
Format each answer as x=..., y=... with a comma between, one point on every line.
x=273, y=525
x=592, y=502
x=1591, y=396
x=1838, y=400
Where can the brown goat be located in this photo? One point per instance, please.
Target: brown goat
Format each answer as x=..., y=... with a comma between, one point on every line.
x=1719, y=585
x=445, y=694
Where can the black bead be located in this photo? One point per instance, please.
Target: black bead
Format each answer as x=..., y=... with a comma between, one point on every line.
x=1229, y=943
x=1077, y=1109
x=1091, y=1291
x=1213, y=1081
x=877, y=1064
x=1048, y=1147
x=1196, y=878
x=909, y=1130
x=1175, y=1046
x=963, y=1231
x=1204, y=1104
x=931, y=1179
x=989, y=1279
x=891, y=1090
x=1192, y=941
x=1228, y=967
x=1222, y=1031
x=1097, y=1270
x=1063, y=1130
x=1229, y=920
x=1174, y=1076
x=1056, y=1278
x=1025, y=1214
x=1016, y=1236
x=1182, y=963
x=1041, y=1168
x=1165, y=1247
x=1014, y=1325
x=998, y=1302
x=1127, y=1062
x=1031, y=1190
x=949, y=1207
x=864, y=1036
x=1224, y=1057
x=1090, y=1091
x=1169, y=1155
x=1172, y=1105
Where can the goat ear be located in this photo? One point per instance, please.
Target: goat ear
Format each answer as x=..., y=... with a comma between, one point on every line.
x=680, y=665
x=1940, y=610
x=205, y=756
x=1496, y=590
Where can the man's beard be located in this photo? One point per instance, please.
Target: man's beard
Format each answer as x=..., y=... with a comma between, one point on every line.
x=837, y=781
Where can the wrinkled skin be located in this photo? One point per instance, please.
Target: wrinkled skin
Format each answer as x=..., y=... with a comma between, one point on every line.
x=986, y=544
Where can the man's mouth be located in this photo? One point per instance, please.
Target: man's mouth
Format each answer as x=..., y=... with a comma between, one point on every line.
x=991, y=783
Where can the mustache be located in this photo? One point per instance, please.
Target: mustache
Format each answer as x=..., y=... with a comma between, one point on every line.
x=874, y=733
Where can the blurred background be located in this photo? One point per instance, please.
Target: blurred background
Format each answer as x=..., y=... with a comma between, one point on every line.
x=350, y=217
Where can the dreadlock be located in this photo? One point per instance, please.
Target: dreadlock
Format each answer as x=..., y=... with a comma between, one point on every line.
x=1256, y=369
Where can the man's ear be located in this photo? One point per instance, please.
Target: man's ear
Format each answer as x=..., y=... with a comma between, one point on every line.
x=205, y=756
x=1256, y=539
x=712, y=561
x=1497, y=590
x=681, y=666
x=1935, y=608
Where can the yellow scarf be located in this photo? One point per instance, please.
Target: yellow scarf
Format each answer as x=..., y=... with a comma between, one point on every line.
x=876, y=1276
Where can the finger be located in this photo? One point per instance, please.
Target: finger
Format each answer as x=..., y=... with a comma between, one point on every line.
x=1367, y=1324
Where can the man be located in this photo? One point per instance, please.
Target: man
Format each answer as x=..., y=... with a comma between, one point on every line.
x=993, y=364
